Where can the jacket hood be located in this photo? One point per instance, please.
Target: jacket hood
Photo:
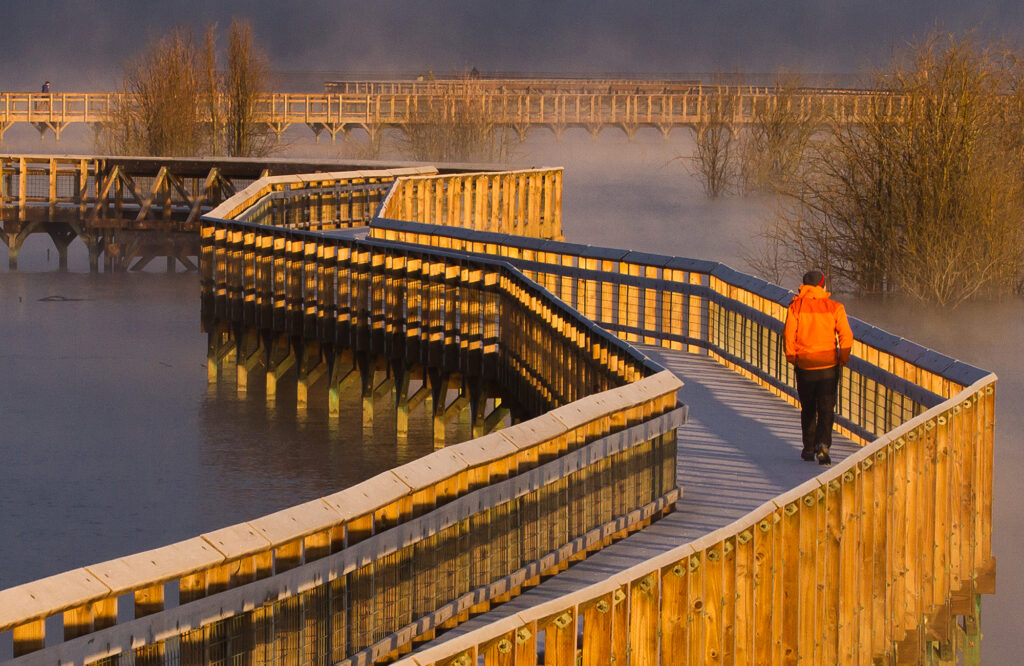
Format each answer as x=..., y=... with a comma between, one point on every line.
x=812, y=291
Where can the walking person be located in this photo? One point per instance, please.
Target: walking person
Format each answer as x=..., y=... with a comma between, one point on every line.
x=818, y=344
x=43, y=106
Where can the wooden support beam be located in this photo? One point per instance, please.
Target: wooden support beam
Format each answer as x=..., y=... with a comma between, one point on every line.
x=249, y=355
x=279, y=361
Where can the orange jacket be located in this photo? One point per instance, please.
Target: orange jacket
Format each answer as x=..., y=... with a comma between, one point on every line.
x=815, y=326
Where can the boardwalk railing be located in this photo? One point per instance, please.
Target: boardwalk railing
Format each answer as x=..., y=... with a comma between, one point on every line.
x=361, y=574
x=522, y=108
x=523, y=203
x=872, y=559
x=706, y=307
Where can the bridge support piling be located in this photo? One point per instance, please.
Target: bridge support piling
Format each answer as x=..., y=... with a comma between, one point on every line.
x=61, y=241
x=402, y=376
x=249, y=355
x=311, y=370
x=95, y=248
x=422, y=395
x=343, y=374
x=443, y=412
x=496, y=419
x=279, y=360
x=219, y=347
x=367, y=372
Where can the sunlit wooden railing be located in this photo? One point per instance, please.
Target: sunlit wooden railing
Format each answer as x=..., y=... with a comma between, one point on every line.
x=524, y=203
x=854, y=566
x=521, y=108
x=864, y=562
x=360, y=574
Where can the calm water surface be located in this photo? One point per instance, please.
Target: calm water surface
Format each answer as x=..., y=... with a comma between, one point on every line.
x=113, y=442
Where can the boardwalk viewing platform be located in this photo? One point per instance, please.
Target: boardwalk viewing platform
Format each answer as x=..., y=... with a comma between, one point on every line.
x=521, y=105
x=633, y=491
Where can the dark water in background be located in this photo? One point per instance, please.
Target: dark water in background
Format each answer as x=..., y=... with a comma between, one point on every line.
x=112, y=442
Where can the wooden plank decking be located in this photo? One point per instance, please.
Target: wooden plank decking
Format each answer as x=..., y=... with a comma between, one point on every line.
x=739, y=448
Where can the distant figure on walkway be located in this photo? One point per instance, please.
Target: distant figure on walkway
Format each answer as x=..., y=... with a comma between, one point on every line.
x=818, y=344
x=46, y=87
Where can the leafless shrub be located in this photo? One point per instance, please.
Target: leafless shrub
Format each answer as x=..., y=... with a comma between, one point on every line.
x=453, y=124
x=246, y=78
x=714, y=160
x=159, y=111
x=925, y=195
x=175, y=101
x=773, y=145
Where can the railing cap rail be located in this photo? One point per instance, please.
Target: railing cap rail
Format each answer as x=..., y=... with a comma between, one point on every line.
x=646, y=258
x=296, y=522
x=47, y=596
x=368, y=495
x=484, y=450
x=527, y=433
x=691, y=265
x=262, y=186
x=431, y=468
x=156, y=566
x=237, y=541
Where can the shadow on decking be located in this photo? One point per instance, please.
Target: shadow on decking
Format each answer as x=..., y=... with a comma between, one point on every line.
x=739, y=448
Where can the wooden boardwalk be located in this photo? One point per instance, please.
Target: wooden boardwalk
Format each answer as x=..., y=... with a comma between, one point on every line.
x=739, y=448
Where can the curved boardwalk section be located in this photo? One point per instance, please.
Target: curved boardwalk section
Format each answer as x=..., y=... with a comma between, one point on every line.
x=765, y=559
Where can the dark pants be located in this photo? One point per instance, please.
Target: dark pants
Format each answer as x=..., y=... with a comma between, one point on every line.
x=817, y=390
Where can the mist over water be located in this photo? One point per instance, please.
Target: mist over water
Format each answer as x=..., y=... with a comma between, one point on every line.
x=113, y=443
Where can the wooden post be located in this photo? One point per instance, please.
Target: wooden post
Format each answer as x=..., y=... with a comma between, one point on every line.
x=829, y=613
x=597, y=631
x=643, y=620
x=526, y=645
x=52, y=189
x=767, y=595
x=940, y=528
x=149, y=600
x=896, y=592
x=713, y=604
x=696, y=621
x=22, y=189
x=29, y=637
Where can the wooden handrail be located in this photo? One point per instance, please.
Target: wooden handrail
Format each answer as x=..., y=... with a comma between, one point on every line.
x=929, y=457
x=737, y=318
x=358, y=526
x=520, y=108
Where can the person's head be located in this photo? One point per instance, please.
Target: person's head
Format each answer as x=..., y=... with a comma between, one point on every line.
x=814, y=278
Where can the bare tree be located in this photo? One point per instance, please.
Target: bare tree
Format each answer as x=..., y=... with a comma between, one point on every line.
x=245, y=82
x=212, y=84
x=714, y=160
x=159, y=110
x=175, y=101
x=453, y=124
x=925, y=196
x=773, y=145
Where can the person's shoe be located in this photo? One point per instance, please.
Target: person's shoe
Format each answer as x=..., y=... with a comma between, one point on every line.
x=823, y=457
x=807, y=454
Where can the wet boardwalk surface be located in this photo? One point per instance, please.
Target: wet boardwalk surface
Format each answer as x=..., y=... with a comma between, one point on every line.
x=740, y=448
